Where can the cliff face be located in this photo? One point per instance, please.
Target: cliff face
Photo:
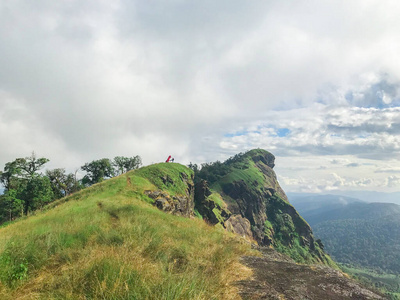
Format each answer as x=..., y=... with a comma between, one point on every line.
x=254, y=205
x=242, y=195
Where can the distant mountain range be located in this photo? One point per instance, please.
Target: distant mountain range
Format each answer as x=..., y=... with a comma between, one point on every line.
x=353, y=231
x=367, y=196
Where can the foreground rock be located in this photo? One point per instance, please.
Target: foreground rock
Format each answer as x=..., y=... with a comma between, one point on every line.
x=276, y=276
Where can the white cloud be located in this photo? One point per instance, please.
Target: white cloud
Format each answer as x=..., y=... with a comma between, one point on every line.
x=201, y=80
x=362, y=132
x=393, y=181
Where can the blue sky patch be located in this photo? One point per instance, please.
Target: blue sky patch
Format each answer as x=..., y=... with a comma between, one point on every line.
x=282, y=132
x=238, y=133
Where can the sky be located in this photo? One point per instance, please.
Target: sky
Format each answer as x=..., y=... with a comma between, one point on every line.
x=316, y=83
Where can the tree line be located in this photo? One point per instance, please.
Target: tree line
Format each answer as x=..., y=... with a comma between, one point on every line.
x=26, y=189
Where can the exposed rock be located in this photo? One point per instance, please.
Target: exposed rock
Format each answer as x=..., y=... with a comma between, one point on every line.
x=163, y=204
x=266, y=158
x=182, y=205
x=209, y=209
x=275, y=276
x=239, y=225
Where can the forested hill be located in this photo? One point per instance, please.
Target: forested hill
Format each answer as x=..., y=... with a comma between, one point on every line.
x=357, y=233
x=316, y=209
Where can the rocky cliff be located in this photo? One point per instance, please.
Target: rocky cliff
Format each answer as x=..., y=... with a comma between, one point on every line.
x=243, y=195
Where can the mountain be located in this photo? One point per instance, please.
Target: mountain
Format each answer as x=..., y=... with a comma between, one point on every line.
x=355, y=232
x=317, y=208
x=243, y=195
x=373, y=196
x=136, y=236
x=365, y=196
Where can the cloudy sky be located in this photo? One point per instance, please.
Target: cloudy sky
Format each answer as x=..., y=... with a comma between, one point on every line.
x=317, y=83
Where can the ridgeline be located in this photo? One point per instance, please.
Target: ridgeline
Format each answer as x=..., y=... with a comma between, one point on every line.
x=146, y=234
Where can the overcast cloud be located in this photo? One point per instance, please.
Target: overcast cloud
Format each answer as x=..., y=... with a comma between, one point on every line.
x=311, y=81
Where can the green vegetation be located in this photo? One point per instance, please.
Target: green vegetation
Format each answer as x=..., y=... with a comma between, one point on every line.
x=98, y=170
x=165, y=177
x=364, y=243
x=388, y=284
x=364, y=235
x=239, y=167
x=27, y=190
x=109, y=241
x=105, y=243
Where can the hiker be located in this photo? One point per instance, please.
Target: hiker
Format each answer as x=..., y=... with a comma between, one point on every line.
x=169, y=157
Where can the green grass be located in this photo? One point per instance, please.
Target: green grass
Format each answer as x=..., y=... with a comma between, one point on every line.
x=106, y=243
x=249, y=174
x=166, y=176
x=217, y=199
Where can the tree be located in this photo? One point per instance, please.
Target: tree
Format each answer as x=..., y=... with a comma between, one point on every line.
x=20, y=169
x=30, y=165
x=97, y=171
x=10, y=205
x=25, y=189
x=62, y=184
x=38, y=192
x=124, y=164
x=194, y=167
x=9, y=177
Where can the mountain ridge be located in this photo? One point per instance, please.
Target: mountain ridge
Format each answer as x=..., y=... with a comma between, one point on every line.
x=136, y=236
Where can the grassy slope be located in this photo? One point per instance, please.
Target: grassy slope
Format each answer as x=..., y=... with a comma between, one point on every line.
x=107, y=243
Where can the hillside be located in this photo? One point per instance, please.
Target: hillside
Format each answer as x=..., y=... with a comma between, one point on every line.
x=110, y=242
x=136, y=236
x=357, y=233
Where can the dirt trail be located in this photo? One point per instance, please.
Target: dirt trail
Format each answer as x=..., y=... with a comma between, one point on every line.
x=275, y=276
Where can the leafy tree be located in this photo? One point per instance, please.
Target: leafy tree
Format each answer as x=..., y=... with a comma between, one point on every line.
x=62, y=184
x=38, y=192
x=30, y=165
x=97, y=171
x=9, y=177
x=10, y=205
x=25, y=189
x=21, y=169
x=194, y=167
x=124, y=164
